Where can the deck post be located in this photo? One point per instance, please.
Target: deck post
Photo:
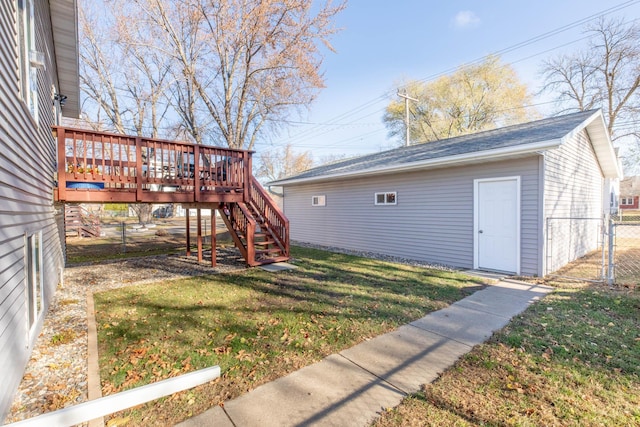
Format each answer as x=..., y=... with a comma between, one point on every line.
x=62, y=164
x=188, y=234
x=247, y=177
x=199, y=238
x=196, y=175
x=213, y=237
x=138, y=169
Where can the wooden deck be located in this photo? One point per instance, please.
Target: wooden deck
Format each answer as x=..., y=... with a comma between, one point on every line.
x=102, y=167
x=98, y=167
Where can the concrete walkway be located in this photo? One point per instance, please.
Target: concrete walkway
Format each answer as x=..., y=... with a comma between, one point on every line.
x=351, y=388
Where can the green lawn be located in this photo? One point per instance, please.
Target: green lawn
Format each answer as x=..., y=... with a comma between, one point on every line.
x=571, y=360
x=256, y=326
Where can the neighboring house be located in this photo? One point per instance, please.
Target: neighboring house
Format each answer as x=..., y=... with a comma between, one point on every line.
x=630, y=192
x=478, y=201
x=38, y=72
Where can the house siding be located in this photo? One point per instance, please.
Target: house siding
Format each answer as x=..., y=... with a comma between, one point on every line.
x=432, y=221
x=573, y=192
x=27, y=165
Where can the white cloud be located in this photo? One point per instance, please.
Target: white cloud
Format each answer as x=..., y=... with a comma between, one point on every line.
x=466, y=19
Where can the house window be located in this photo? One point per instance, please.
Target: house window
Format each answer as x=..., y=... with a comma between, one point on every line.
x=29, y=58
x=318, y=200
x=33, y=267
x=390, y=198
x=626, y=201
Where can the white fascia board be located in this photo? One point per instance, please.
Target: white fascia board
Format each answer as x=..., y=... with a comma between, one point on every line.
x=596, y=127
x=488, y=155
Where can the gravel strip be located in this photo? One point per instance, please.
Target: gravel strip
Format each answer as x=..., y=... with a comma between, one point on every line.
x=56, y=374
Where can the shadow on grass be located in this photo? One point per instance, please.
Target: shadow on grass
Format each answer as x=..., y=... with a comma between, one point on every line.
x=569, y=360
x=325, y=305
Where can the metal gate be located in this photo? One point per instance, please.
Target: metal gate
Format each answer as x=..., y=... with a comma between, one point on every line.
x=624, y=252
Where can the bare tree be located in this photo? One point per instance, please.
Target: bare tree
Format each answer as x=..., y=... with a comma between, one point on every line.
x=282, y=162
x=240, y=65
x=606, y=74
x=122, y=81
x=97, y=67
x=474, y=98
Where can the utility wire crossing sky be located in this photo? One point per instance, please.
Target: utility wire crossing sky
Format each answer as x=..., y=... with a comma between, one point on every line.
x=383, y=43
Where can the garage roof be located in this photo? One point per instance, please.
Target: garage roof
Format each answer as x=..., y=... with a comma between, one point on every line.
x=507, y=142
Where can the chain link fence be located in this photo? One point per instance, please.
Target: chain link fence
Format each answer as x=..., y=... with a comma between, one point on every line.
x=624, y=247
x=594, y=249
x=576, y=248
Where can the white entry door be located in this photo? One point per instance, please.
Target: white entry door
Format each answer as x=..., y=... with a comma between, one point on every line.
x=497, y=224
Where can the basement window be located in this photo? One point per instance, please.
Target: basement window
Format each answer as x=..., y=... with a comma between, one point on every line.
x=390, y=198
x=319, y=200
x=33, y=276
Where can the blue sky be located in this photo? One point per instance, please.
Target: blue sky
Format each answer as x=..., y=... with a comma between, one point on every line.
x=383, y=42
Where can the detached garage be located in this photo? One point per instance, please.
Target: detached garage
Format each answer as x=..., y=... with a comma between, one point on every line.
x=478, y=201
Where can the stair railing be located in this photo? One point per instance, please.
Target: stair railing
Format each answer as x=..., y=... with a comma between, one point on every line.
x=241, y=223
x=89, y=223
x=271, y=215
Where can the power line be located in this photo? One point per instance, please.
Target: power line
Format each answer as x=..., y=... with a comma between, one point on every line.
x=508, y=49
x=340, y=121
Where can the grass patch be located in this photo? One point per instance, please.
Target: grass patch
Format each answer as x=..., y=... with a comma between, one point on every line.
x=570, y=360
x=257, y=326
x=64, y=337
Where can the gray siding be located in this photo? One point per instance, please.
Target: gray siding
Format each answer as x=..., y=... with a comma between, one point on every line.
x=433, y=220
x=573, y=201
x=27, y=164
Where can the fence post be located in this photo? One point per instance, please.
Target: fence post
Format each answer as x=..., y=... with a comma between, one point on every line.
x=610, y=272
x=603, y=242
x=547, y=254
x=124, y=238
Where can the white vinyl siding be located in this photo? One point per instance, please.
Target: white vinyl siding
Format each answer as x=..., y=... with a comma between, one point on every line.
x=573, y=191
x=433, y=223
x=27, y=156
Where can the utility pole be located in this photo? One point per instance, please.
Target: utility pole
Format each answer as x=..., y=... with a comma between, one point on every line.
x=407, y=98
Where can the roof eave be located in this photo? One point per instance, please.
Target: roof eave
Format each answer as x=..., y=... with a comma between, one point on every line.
x=461, y=159
x=64, y=24
x=603, y=147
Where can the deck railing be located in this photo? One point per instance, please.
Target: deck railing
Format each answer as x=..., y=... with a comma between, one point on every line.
x=136, y=169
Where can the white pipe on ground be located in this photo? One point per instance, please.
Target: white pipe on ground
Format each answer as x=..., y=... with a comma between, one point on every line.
x=120, y=401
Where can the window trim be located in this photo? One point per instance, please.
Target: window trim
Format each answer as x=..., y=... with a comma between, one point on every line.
x=386, y=195
x=26, y=44
x=319, y=200
x=34, y=279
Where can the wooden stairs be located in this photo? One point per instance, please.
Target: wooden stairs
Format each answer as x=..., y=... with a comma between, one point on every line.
x=80, y=222
x=258, y=228
x=99, y=167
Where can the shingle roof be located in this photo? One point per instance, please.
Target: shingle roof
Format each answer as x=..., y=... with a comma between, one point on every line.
x=549, y=129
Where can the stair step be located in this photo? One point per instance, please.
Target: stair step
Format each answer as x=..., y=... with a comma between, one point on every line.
x=268, y=251
x=271, y=260
x=264, y=242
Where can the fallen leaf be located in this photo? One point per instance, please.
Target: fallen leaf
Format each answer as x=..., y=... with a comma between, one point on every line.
x=119, y=421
